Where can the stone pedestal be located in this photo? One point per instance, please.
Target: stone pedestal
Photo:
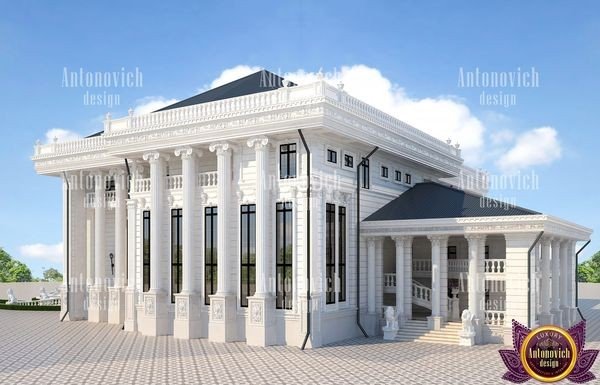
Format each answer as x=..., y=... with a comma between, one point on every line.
x=478, y=325
x=546, y=319
x=260, y=323
x=98, y=304
x=557, y=316
x=77, y=304
x=222, y=320
x=187, y=324
x=116, y=305
x=389, y=333
x=155, y=321
x=466, y=338
x=434, y=323
x=130, y=311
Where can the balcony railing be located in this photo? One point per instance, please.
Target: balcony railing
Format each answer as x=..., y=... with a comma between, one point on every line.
x=389, y=282
x=175, y=182
x=90, y=198
x=494, y=266
x=494, y=317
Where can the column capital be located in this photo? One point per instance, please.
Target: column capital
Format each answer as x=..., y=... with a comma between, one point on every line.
x=132, y=204
x=220, y=147
x=475, y=237
x=437, y=238
x=258, y=142
x=154, y=156
x=555, y=241
x=402, y=239
x=188, y=152
x=117, y=171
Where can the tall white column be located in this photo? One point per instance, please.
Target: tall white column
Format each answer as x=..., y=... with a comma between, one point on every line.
x=545, y=316
x=259, y=329
x=98, y=306
x=187, y=322
x=408, y=277
x=130, y=297
x=116, y=307
x=444, y=277
x=564, y=276
x=434, y=321
x=371, y=275
x=89, y=228
x=400, y=279
x=571, y=280
x=155, y=321
x=222, y=323
x=474, y=276
x=556, y=311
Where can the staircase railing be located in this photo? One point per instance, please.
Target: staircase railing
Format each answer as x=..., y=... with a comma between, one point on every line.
x=421, y=295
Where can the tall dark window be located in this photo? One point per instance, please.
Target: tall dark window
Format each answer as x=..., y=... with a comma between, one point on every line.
x=331, y=156
x=342, y=251
x=365, y=173
x=487, y=252
x=408, y=178
x=176, y=253
x=146, y=251
x=384, y=171
x=398, y=176
x=330, y=252
x=210, y=252
x=348, y=161
x=287, y=161
x=284, y=250
x=452, y=252
x=247, y=253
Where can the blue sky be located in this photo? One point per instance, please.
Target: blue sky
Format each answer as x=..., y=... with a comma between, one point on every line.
x=419, y=48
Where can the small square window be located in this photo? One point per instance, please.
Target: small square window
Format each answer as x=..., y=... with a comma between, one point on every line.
x=348, y=161
x=398, y=176
x=407, y=178
x=331, y=156
x=384, y=171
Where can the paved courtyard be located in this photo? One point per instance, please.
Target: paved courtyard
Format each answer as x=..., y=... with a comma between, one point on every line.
x=37, y=349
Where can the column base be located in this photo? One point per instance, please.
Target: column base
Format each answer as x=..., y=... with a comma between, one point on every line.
x=260, y=322
x=130, y=324
x=77, y=304
x=98, y=304
x=222, y=320
x=155, y=319
x=434, y=322
x=546, y=319
x=187, y=324
x=566, y=317
x=557, y=317
x=116, y=305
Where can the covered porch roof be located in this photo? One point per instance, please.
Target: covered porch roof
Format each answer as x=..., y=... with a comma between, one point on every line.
x=431, y=208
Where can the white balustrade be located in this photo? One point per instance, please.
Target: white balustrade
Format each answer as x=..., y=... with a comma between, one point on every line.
x=389, y=282
x=494, y=317
x=421, y=265
x=421, y=295
x=175, y=182
x=90, y=198
x=494, y=266
x=142, y=185
x=207, y=179
x=458, y=265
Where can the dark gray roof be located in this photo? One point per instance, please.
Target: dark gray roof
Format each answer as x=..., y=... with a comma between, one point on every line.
x=260, y=81
x=433, y=200
x=257, y=82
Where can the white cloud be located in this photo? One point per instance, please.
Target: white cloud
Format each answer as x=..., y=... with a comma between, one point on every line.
x=151, y=104
x=61, y=135
x=44, y=252
x=501, y=137
x=442, y=117
x=536, y=147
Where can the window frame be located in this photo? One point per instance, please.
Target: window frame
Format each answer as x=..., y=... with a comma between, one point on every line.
x=330, y=151
x=452, y=250
x=210, y=265
x=398, y=176
x=287, y=210
x=365, y=177
x=343, y=162
x=385, y=172
x=342, y=258
x=248, y=211
x=407, y=178
x=176, y=284
x=288, y=154
x=330, y=253
x=146, y=250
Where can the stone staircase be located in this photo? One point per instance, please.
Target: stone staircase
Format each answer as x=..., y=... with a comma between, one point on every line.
x=417, y=331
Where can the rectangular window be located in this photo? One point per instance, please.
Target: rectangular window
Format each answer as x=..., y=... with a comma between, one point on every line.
x=146, y=251
x=247, y=253
x=365, y=173
x=487, y=252
x=331, y=156
x=398, y=176
x=176, y=253
x=330, y=252
x=408, y=178
x=284, y=250
x=210, y=252
x=348, y=161
x=287, y=161
x=452, y=252
x=384, y=171
x=342, y=252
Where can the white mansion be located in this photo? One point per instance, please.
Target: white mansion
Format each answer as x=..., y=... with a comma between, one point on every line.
x=234, y=215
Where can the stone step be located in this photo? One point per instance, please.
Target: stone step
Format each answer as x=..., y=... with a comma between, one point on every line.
x=417, y=331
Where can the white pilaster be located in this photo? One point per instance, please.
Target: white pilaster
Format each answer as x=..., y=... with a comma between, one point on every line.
x=435, y=320
x=444, y=278
x=187, y=322
x=564, y=276
x=407, y=277
x=155, y=320
x=572, y=281
x=545, y=317
x=556, y=311
x=130, y=297
x=260, y=320
x=400, y=314
x=371, y=275
x=222, y=322
x=98, y=298
x=116, y=307
x=476, y=283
